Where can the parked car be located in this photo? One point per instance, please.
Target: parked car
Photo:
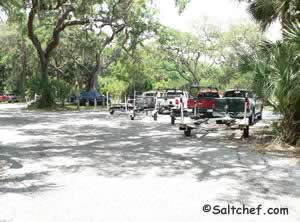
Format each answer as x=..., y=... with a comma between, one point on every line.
x=12, y=98
x=171, y=99
x=3, y=98
x=91, y=96
x=237, y=103
x=203, y=101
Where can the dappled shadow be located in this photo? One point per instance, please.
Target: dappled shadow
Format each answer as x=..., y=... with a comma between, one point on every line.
x=25, y=183
x=118, y=147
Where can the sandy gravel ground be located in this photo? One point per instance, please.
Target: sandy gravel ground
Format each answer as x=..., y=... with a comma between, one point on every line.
x=92, y=167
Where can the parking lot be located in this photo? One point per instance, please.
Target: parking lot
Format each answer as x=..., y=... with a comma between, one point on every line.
x=90, y=166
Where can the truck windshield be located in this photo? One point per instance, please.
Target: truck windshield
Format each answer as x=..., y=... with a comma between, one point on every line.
x=208, y=95
x=174, y=94
x=149, y=94
x=236, y=93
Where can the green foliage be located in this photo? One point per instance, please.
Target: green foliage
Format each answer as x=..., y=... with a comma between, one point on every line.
x=277, y=78
x=266, y=12
x=62, y=90
x=181, y=4
x=210, y=56
x=33, y=86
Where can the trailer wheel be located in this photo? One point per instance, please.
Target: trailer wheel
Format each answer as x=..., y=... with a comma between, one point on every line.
x=172, y=120
x=246, y=132
x=187, y=132
x=161, y=110
x=252, y=118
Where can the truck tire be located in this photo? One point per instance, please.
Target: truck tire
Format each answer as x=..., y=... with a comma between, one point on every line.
x=260, y=116
x=160, y=110
x=187, y=132
x=155, y=117
x=246, y=132
x=172, y=120
x=210, y=115
x=111, y=112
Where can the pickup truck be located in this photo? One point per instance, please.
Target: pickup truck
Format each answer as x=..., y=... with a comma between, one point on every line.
x=171, y=99
x=238, y=104
x=147, y=100
x=203, y=103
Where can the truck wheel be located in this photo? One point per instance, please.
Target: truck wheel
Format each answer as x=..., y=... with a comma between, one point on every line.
x=210, y=115
x=131, y=117
x=260, y=116
x=172, y=120
x=111, y=112
x=246, y=132
x=187, y=132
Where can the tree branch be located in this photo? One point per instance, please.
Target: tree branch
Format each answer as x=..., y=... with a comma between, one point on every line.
x=31, y=35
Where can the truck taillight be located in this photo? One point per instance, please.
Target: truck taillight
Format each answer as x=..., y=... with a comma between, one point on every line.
x=177, y=102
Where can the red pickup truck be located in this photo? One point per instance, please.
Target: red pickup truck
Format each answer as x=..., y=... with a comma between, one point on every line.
x=204, y=101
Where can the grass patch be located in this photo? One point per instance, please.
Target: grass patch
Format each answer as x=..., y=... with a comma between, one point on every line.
x=278, y=147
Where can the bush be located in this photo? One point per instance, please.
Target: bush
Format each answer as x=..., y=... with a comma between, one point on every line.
x=61, y=90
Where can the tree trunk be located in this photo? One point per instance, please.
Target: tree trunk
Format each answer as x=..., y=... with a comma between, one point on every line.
x=46, y=100
x=92, y=84
x=24, y=72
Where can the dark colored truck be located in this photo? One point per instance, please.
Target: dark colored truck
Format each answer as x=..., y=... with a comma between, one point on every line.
x=238, y=107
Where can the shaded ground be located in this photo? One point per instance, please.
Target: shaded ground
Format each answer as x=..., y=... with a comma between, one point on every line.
x=89, y=166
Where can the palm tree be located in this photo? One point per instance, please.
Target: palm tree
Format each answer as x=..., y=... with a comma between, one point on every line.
x=265, y=12
x=277, y=78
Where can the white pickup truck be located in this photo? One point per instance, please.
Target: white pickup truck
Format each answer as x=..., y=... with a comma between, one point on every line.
x=171, y=98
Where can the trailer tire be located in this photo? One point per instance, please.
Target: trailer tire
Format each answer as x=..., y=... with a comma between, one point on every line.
x=172, y=120
x=219, y=122
x=252, y=118
x=187, y=132
x=246, y=132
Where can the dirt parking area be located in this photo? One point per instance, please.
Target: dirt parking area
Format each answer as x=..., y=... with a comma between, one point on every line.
x=89, y=166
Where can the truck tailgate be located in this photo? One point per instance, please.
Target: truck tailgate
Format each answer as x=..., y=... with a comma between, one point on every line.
x=235, y=105
x=202, y=103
